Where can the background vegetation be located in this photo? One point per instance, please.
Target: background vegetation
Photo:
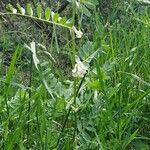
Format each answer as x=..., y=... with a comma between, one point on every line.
x=75, y=75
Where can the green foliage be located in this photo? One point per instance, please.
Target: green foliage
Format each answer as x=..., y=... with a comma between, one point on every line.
x=29, y=12
x=43, y=106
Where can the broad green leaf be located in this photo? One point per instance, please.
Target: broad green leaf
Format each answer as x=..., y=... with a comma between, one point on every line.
x=21, y=9
x=39, y=11
x=47, y=13
x=29, y=10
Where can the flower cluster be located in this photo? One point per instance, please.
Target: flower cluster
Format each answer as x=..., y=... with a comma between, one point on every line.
x=77, y=32
x=80, y=68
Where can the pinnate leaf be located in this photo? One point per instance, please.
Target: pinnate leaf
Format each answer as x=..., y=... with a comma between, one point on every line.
x=29, y=10
x=21, y=9
x=47, y=13
x=39, y=11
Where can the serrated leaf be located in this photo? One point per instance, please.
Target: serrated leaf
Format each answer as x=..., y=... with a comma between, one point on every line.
x=39, y=11
x=29, y=10
x=47, y=13
x=21, y=9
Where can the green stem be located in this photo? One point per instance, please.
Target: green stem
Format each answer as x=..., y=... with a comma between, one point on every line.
x=68, y=26
x=75, y=114
x=69, y=111
x=29, y=104
x=38, y=124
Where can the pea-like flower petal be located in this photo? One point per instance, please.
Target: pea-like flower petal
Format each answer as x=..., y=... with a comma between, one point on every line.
x=80, y=68
x=77, y=32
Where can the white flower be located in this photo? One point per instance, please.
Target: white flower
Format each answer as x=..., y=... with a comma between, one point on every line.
x=22, y=11
x=14, y=10
x=77, y=4
x=77, y=32
x=59, y=18
x=52, y=14
x=80, y=68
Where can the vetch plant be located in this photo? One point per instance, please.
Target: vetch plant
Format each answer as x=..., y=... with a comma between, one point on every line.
x=48, y=17
x=80, y=68
x=78, y=33
x=104, y=102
